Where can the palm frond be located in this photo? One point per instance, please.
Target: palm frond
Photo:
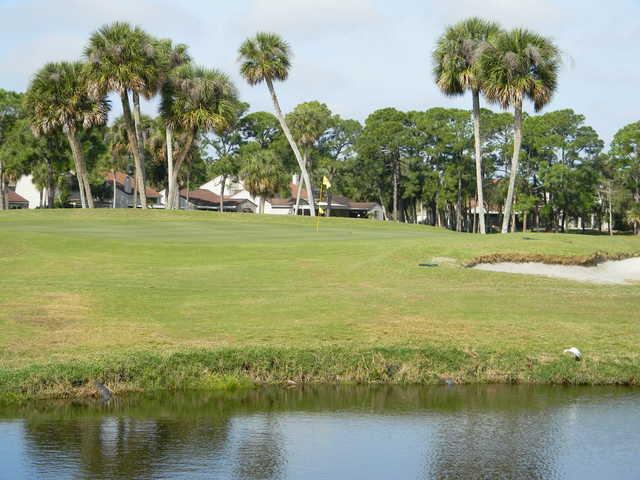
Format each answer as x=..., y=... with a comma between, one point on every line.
x=264, y=57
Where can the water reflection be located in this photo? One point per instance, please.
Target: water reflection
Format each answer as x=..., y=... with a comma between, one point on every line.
x=329, y=432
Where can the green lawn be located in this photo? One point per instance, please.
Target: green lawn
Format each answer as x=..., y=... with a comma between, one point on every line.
x=91, y=290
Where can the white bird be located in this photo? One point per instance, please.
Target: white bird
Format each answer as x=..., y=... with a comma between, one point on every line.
x=575, y=352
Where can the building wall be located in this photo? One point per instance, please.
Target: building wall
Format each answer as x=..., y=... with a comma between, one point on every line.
x=270, y=210
x=122, y=199
x=26, y=188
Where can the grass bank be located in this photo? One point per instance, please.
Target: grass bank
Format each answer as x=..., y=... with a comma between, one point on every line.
x=169, y=300
x=231, y=369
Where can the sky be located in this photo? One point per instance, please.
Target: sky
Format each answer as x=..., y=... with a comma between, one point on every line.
x=354, y=55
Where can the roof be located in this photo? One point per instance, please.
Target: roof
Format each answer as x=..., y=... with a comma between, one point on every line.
x=281, y=202
x=15, y=198
x=121, y=180
x=336, y=200
x=201, y=196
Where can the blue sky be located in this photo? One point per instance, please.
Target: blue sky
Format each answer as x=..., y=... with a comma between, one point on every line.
x=354, y=55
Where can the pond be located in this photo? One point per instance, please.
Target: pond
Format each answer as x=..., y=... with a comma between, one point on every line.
x=331, y=432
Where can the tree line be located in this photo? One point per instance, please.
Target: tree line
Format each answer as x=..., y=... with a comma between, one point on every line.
x=449, y=167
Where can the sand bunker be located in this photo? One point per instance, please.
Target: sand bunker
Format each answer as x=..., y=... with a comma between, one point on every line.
x=616, y=271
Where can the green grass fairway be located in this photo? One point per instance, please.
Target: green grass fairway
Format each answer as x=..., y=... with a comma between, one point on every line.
x=167, y=299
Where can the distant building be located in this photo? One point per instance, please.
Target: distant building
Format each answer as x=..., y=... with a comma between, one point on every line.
x=26, y=189
x=16, y=201
x=124, y=192
x=202, y=199
x=340, y=206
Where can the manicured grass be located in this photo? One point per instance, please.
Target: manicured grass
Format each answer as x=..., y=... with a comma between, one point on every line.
x=153, y=299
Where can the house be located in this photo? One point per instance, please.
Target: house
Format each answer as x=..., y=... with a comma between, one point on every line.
x=203, y=199
x=16, y=201
x=124, y=192
x=234, y=190
x=340, y=206
x=26, y=189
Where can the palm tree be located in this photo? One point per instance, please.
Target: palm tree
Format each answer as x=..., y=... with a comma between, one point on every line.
x=122, y=59
x=266, y=58
x=633, y=217
x=457, y=69
x=520, y=64
x=58, y=99
x=195, y=99
x=263, y=176
x=309, y=122
x=171, y=57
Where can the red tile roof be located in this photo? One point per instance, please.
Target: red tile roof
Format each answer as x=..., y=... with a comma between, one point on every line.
x=201, y=195
x=15, y=198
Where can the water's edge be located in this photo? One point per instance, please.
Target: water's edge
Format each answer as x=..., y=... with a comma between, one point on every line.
x=238, y=368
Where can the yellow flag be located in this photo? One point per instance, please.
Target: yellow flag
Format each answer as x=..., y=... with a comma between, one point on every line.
x=321, y=211
x=326, y=182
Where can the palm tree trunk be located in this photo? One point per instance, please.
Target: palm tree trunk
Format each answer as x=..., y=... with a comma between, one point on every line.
x=87, y=185
x=135, y=190
x=294, y=147
x=395, y=191
x=176, y=169
x=188, y=207
x=50, y=189
x=299, y=187
x=170, y=193
x=476, y=140
x=137, y=123
x=85, y=190
x=224, y=181
x=517, y=140
x=459, y=204
x=113, y=172
x=474, y=219
x=384, y=209
x=3, y=205
x=610, y=212
x=261, y=207
x=134, y=147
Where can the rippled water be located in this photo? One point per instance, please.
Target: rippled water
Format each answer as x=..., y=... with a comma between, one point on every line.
x=331, y=433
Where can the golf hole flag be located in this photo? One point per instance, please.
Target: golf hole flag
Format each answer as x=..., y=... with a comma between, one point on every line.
x=326, y=182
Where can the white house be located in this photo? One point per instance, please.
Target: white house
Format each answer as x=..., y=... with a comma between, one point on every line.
x=340, y=206
x=26, y=189
x=234, y=190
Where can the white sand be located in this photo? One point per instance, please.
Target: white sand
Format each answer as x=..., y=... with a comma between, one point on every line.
x=619, y=271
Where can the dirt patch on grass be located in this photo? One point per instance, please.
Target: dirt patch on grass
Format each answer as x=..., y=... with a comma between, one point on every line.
x=577, y=260
x=48, y=310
